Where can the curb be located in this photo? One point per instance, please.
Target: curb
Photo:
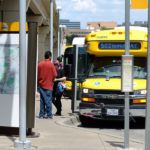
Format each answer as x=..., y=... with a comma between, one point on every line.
x=74, y=123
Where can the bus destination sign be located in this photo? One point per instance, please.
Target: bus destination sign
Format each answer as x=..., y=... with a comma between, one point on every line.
x=114, y=45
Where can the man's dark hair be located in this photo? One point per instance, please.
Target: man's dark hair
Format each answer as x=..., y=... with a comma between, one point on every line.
x=47, y=54
x=59, y=59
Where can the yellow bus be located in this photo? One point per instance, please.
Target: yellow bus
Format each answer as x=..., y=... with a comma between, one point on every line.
x=101, y=91
x=67, y=61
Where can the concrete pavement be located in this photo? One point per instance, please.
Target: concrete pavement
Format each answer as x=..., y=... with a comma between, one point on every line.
x=55, y=135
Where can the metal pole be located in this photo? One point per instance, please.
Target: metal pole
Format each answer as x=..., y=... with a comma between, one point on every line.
x=51, y=29
x=60, y=48
x=126, y=121
x=63, y=39
x=58, y=53
x=22, y=142
x=76, y=76
x=127, y=25
x=127, y=47
x=147, y=131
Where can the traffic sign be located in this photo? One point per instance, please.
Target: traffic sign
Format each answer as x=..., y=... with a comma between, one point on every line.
x=139, y=4
x=127, y=73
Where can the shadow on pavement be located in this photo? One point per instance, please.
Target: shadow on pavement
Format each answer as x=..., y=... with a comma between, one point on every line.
x=116, y=144
x=138, y=123
x=9, y=131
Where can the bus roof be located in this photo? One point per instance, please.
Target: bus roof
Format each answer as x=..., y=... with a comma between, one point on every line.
x=111, y=42
x=68, y=47
x=137, y=28
x=118, y=34
x=78, y=41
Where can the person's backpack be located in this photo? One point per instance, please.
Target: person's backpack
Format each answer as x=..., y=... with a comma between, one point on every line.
x=60, y=88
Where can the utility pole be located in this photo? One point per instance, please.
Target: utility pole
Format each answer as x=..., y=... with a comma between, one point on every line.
x=22, y=142
x=58, y=43
x=129, y=85
x=147, y=131
x=51, y=29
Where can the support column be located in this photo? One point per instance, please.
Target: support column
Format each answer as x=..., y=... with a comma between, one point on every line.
x=31, y=73
x=43, y=42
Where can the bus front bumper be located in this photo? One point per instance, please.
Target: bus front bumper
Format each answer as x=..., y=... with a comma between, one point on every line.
x=111, y=112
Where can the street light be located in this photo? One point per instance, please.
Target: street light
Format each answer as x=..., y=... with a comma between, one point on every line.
x=58, y=42
x=51, y=28
x=62, y=33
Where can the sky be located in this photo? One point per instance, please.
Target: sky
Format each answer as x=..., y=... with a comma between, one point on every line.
x=98, y=10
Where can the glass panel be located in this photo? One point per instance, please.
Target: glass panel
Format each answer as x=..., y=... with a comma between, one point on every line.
x=82, y=69
x=9, y=69
x=82, y=62
x=108, y=66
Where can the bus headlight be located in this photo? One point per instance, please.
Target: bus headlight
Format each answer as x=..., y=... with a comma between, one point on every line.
x=140, y=92
x=85, y=90
x=88, y=91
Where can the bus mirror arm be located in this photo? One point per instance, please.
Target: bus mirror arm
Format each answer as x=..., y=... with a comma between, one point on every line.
x=72, y=79
x=81, y=80
x=131, y=117
x=102, y=105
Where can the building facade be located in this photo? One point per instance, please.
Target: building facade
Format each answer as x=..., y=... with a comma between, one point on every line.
x=137, y=23
x=96, y=26
x=69, y=24
x=79, y=32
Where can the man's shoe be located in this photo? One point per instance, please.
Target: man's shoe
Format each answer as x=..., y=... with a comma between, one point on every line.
x=46, y=117
x=49, y=118
x=41, y=117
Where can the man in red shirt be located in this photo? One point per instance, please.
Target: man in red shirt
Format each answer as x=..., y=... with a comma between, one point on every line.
x=46, y=75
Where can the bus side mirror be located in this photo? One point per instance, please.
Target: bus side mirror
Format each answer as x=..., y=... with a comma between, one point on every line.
x=67, y=70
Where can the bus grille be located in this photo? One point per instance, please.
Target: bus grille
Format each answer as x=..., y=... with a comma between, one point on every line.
x=109, y=92
x=111, y=101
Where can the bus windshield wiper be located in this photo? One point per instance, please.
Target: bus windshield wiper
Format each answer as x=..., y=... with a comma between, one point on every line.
x=98, y=76
x=139, y=78
x=114, y=76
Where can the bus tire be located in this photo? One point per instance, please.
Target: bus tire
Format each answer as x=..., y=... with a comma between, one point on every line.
x=84, y=121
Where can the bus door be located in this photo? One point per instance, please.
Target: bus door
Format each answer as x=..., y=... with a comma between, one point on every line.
x=68, y=62
x=80, y=63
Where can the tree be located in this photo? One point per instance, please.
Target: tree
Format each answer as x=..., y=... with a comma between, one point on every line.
x=70, y=38
x=103, y=28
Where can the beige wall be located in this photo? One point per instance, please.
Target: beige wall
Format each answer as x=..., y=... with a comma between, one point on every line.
x=9, y=10
x=98, y=25
x=44, y=43
x=79, y=32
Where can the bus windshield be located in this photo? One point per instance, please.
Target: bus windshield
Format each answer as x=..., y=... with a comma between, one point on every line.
x=111, y=67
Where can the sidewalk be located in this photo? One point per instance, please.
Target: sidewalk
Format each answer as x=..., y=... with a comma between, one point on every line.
x=54, y=135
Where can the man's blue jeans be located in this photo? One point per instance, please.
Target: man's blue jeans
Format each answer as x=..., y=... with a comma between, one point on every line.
x=45, y=103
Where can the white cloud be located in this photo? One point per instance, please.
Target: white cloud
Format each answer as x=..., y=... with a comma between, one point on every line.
x=97, y=10
x=109, y=2
x=82, y=5
x=117, y=2
x=115, y=10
